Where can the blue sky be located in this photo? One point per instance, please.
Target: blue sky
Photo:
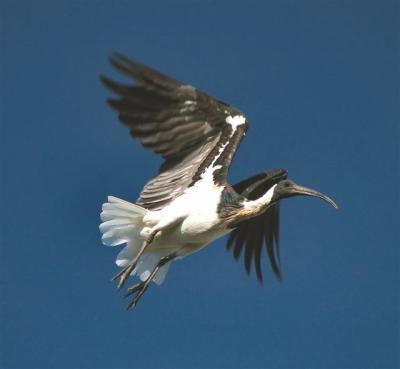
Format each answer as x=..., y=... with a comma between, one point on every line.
x=319, y=84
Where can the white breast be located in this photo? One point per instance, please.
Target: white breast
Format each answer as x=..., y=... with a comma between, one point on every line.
x=194, y=213
x=200, y=203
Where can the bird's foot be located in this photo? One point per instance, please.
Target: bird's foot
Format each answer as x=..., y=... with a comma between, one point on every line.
x=124, y=274
x=139, y=289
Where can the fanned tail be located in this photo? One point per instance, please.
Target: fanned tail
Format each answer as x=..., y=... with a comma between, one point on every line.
x=122, y=223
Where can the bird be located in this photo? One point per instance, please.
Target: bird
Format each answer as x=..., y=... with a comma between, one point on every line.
x=189, y=203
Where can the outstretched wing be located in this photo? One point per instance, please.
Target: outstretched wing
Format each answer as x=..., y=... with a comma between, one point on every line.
x=189, y=129
x=252, y=234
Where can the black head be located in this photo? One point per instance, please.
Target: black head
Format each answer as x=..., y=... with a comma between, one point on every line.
x=288, y=188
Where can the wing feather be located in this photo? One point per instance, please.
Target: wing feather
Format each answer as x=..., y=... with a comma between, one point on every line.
x=182, y=124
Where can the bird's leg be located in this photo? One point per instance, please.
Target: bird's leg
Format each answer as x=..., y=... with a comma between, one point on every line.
x=140, y=288
x=126, y=272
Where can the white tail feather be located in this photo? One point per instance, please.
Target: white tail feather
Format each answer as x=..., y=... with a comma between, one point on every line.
x=122, y=223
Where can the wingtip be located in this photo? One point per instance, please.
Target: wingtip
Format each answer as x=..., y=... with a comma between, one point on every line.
x=118, y=55
x=279, y=276
x=115, y=62
x=111, y=85
x=121, y=63
x=120, y=60
x=104, y=80
x=113, y=103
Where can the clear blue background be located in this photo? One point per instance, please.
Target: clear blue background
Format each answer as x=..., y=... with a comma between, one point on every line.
x=319, y=82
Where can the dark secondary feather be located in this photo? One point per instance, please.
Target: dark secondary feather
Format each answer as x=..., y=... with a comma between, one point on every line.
x=180, y=123
x=250, y=235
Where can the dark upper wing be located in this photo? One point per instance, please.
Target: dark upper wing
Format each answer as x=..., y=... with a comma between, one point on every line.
x=182, y=124
x=263, y=229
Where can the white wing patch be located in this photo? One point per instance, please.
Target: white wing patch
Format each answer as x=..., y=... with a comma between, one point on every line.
x=235, y=121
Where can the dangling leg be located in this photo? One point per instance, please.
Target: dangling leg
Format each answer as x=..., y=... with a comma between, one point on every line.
x=126, y=272
x=140, y=288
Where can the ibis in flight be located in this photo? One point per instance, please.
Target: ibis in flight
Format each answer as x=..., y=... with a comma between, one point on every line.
x=189, y=203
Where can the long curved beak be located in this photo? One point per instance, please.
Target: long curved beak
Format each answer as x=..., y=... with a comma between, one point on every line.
x=300, y=190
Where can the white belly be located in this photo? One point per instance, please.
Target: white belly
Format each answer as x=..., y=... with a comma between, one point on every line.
x=190, y=221
x=185, y=243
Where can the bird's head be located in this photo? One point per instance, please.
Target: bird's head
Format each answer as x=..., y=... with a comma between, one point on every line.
x=287, y=188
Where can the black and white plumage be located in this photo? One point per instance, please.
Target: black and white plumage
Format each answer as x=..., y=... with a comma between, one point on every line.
x=189, y=203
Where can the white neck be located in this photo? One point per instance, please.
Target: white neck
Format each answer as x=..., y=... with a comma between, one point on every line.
x=260, y=204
